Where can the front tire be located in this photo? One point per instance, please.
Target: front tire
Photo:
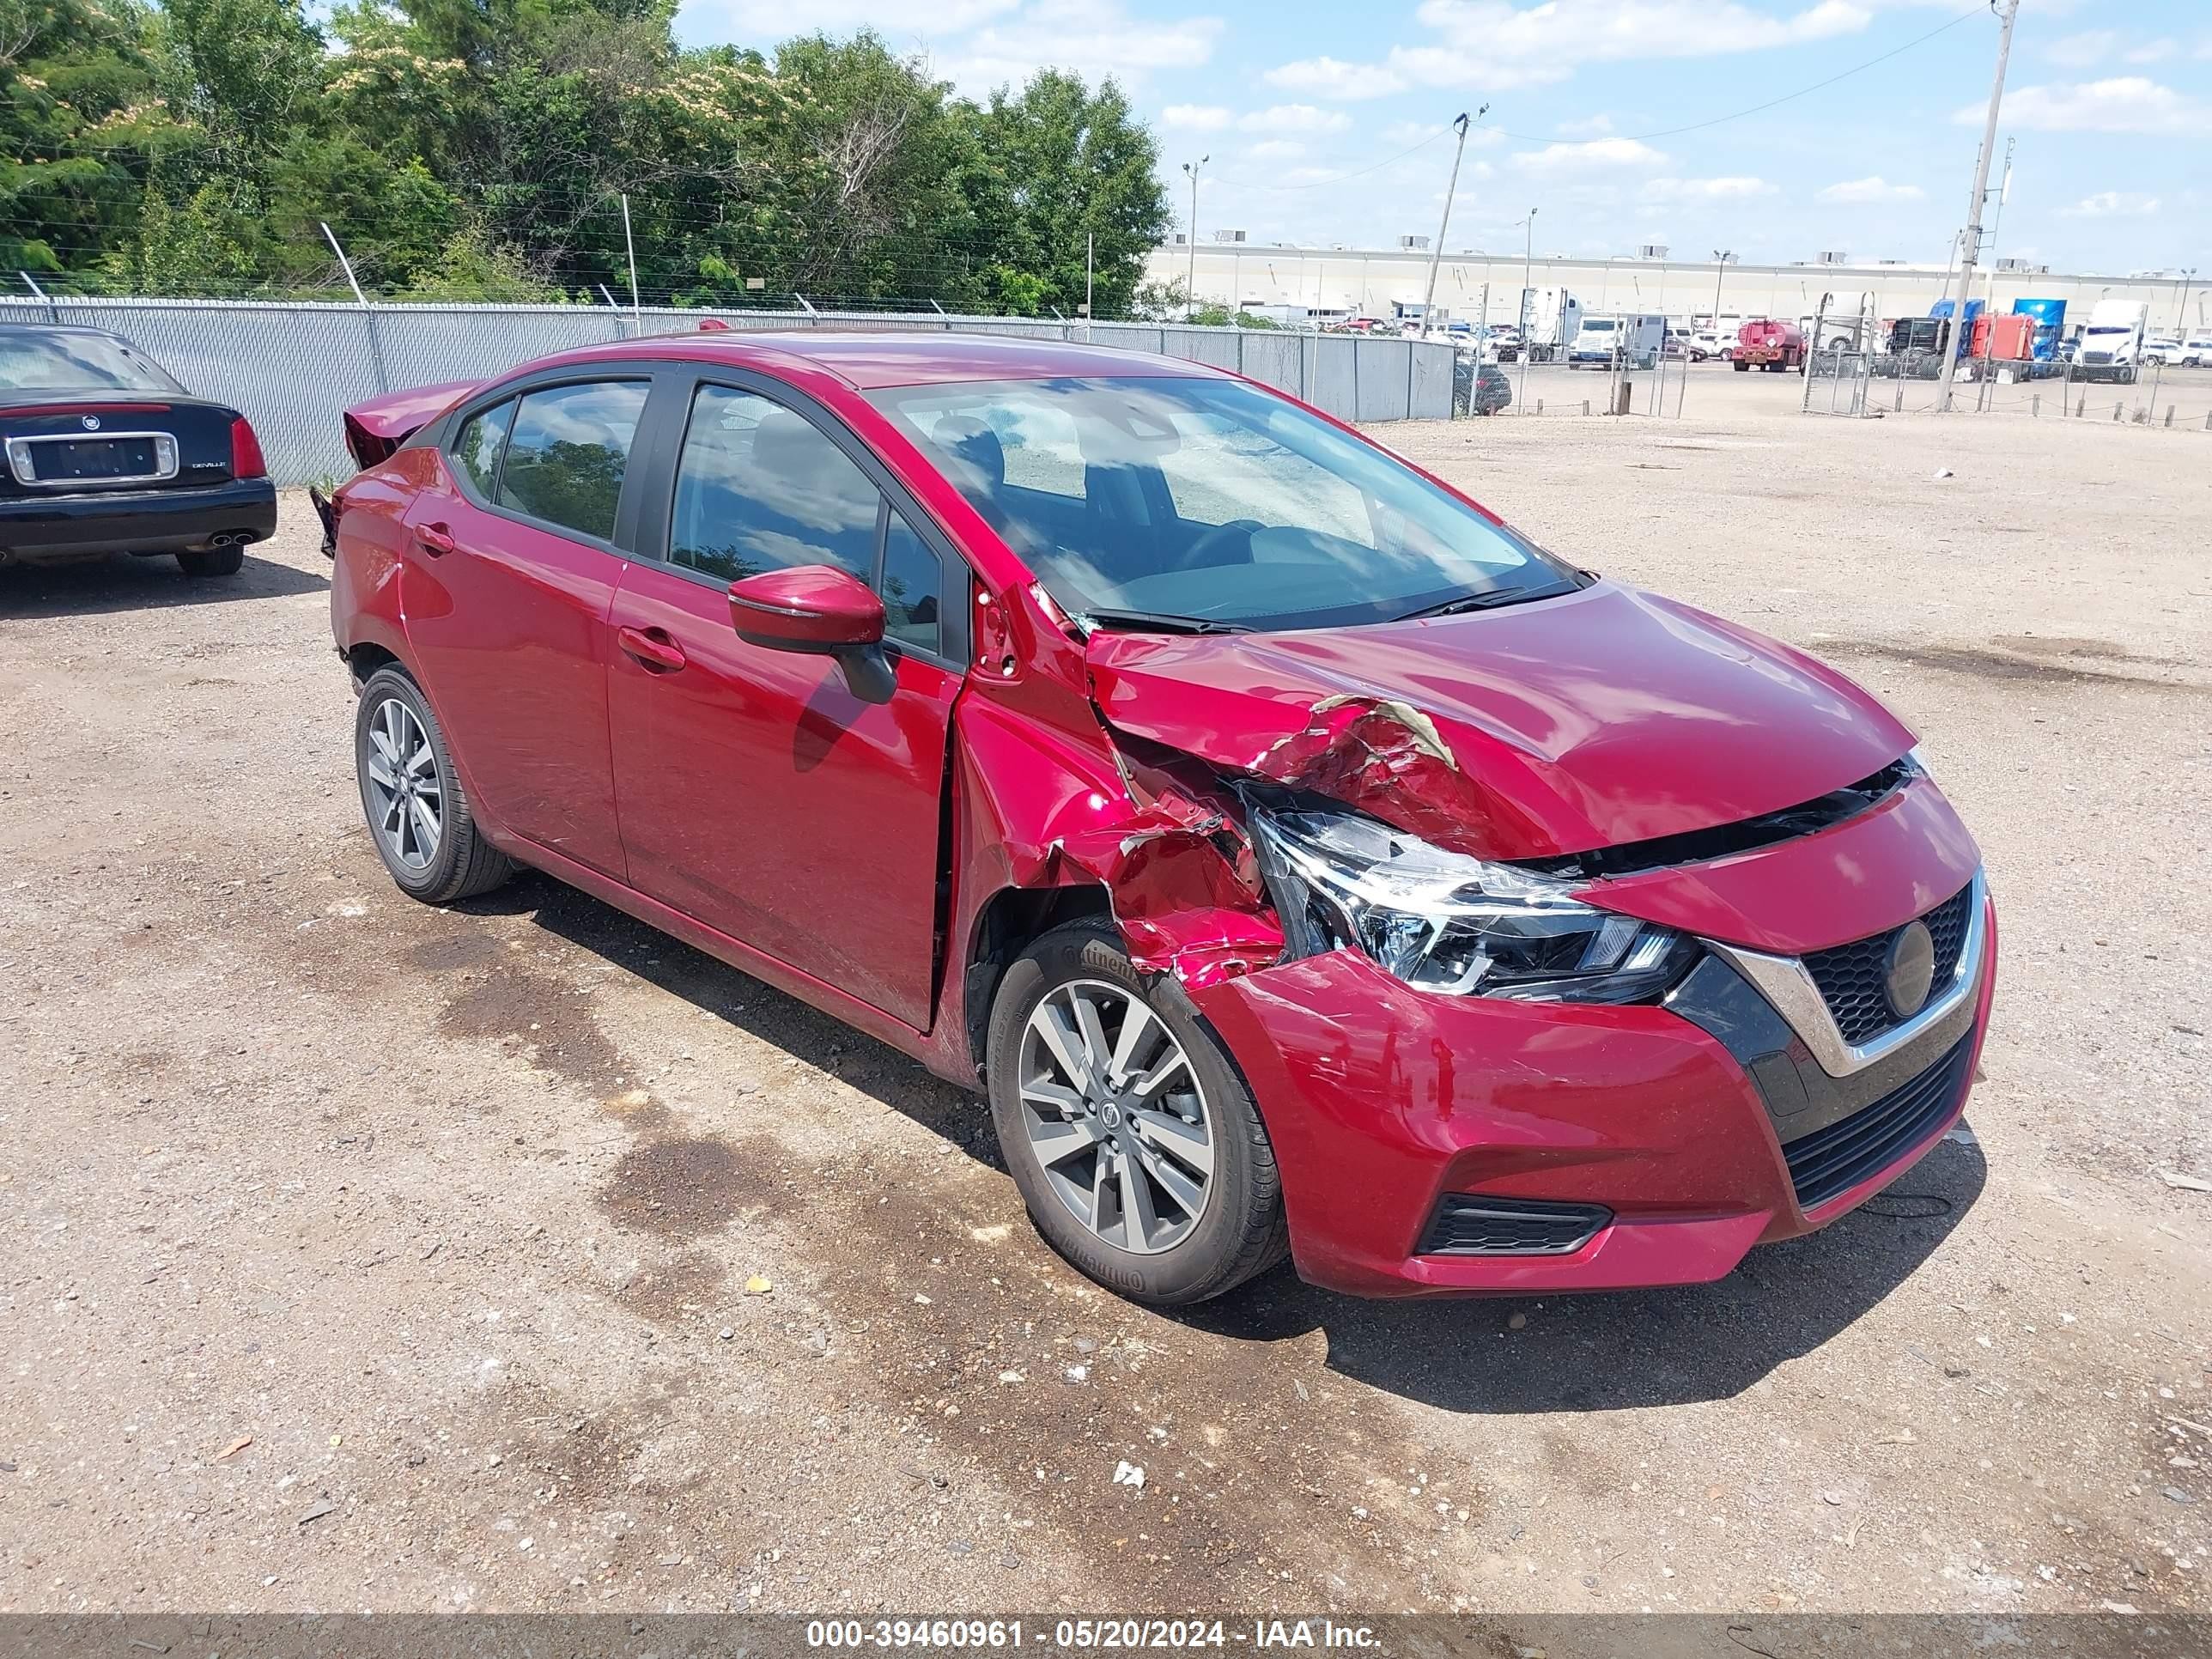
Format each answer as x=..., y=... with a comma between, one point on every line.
x=213, y=561
x=418, y=813
x=1135, y=1143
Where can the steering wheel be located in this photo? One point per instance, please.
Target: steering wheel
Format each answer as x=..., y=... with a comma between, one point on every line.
x=1207, y=548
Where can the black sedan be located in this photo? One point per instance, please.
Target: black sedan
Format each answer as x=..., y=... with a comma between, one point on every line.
x=1478, y=388
x=107, y=453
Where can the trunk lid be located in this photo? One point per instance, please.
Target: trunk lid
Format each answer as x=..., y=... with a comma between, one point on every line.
x=375, y=428
x=69, y=443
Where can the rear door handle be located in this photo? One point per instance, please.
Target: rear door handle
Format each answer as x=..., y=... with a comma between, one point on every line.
x=653, y=647
x=436, y=540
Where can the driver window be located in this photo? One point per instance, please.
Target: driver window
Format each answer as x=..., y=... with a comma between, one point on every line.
x=758, y=487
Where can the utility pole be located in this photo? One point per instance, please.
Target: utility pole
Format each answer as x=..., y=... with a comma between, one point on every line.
x=1990, y=305
x=1721, y=257
x=1970, y=247
x=1090, y=268
x=344, y=265
x=2180, y=311
x=1528, y=304
x=630, y=248
x=1190, y=282
x=1437, y=253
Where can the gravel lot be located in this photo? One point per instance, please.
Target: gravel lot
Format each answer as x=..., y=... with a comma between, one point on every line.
x=362, y=1256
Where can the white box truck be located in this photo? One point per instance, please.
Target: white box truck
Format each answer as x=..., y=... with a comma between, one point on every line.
x=1633, y=341
x=2112, y=341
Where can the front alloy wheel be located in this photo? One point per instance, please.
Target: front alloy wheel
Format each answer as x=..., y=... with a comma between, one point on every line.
x=1133, y=1136
x=1116, y=1116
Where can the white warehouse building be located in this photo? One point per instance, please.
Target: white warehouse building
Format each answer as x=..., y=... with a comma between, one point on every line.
x=1328, y=284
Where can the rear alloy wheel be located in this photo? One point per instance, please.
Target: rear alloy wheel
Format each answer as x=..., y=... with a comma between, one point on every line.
x=214, y=562
x=418, y=813
x=1135, y=1142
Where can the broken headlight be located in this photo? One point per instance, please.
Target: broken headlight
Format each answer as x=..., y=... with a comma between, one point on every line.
x=1446, y=923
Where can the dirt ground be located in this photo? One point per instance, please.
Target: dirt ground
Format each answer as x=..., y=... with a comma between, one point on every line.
x=357, y=1255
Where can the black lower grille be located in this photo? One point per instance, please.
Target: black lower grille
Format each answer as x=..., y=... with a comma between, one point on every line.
x=1469, y=1225
x=1832, y=1160
x=1851, y=975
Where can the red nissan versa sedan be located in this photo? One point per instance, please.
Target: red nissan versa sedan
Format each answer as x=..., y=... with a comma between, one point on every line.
x=1299, y=857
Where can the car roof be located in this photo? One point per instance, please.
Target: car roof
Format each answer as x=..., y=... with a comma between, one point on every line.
x=31, y=325
x=866, y=361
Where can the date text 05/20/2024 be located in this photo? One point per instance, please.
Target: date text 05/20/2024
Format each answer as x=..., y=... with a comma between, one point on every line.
x=1087, y=1634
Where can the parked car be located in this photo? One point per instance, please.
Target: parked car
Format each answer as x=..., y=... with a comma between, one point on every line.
x=1478, y=388
x=2161, y=348
x=107, y=453
x=2196, y=351
x=1302, y=860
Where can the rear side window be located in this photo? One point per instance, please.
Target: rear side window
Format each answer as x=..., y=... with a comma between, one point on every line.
x=566, y=453
x=759, y=487
x=475, y=451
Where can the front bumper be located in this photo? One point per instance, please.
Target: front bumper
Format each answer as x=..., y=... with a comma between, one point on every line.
x=1381, y=1100
x=177, y=519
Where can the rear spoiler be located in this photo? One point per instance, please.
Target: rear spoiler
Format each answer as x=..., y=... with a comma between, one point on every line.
x=375, y=428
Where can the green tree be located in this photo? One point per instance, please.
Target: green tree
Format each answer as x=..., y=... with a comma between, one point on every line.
x=79, y=117
x=1080, y=171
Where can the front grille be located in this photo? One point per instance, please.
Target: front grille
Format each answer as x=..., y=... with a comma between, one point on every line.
x=1471, y=1224
x=1832, y=1160
x=1851, y=975
x=2096, y=356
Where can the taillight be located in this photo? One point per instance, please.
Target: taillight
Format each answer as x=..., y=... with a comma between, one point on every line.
x=245, y=458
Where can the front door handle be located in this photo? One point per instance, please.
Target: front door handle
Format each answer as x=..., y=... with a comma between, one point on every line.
x=437, y=540
x=653, y=647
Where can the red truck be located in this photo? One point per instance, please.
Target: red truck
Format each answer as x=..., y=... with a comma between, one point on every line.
x=1769, y=344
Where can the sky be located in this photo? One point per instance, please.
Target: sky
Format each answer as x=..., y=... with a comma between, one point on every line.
x=1324, y=123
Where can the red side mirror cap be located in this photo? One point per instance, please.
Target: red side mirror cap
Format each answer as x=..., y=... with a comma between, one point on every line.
x=809, y=607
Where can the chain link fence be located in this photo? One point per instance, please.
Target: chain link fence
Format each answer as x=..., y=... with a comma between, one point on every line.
x=291, y=367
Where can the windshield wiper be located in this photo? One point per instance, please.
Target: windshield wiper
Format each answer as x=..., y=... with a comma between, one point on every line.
x=1159, y=621
x=1490, y=600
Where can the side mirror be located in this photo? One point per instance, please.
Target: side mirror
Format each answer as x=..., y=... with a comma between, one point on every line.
x=815, y=608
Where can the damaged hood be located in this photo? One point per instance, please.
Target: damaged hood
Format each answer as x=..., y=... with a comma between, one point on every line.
x=1557, y=727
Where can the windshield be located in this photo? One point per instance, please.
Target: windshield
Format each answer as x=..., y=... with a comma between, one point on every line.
x=2109, y=328
x=1211, y=502
x=1599, y=325
x=75, y=362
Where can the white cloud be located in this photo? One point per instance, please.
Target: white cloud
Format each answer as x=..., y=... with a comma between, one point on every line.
x=896, y=20
x=1596, y=156
x=1275, y=149
x=1295, y=117
x=1332, y=78
x=1196, y=117
x=1403, y=135
x=1097, y=38
x=1873, y=188
x=1503, y=44
x=1595, y=126
x=2127, y=103
x=2156, y=52
x=2113, y=204
x=1735, y=187
x=2082, y=50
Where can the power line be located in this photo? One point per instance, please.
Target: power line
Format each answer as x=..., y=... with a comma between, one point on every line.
x=1771, y=103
